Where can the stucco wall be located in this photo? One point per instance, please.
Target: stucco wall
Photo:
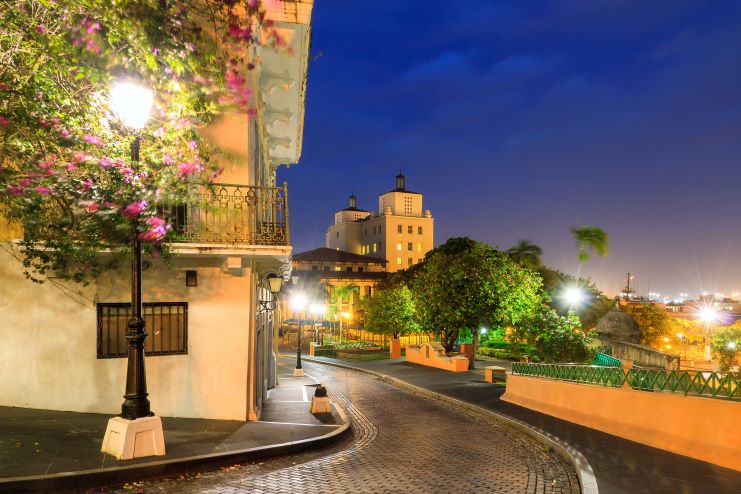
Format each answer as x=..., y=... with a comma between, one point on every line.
x=640, y=355
x=702, y=428
x=48, y=351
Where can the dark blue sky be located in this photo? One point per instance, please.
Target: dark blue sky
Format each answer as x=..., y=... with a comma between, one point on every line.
x=518, y=119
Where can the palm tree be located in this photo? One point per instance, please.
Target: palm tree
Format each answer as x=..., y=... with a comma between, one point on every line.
x=526, y=254
x=337, y=295
x=590, y=240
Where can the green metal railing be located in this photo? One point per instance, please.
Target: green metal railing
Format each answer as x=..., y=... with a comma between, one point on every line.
x=689, y=383
x=605, y=360
x=585, y=374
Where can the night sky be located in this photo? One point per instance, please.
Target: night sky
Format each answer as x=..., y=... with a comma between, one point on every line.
x=518, y=119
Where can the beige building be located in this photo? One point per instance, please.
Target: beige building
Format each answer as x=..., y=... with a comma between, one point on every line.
x=208, y=349
x=400, y=233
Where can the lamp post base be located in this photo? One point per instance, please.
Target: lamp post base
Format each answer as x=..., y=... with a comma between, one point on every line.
x=127, y=439
x=298, y=372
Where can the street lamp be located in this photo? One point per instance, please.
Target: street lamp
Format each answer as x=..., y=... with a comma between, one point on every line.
x=132, y=103
x=298, y=302
x=137, y=431
x=573, y=296
x=275, y=283
x=708, y=315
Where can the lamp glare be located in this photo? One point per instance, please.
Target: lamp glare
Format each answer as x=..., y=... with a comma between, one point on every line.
x=132, y=103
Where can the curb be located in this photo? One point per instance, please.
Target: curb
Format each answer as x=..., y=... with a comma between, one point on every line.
x=587, y=480
x=112, y=476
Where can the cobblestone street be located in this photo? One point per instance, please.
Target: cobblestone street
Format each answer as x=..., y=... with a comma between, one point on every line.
x=400, y=443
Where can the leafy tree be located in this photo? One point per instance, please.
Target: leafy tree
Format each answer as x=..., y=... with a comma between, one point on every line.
x=727, y=343
x=65, y=174
x=558, y=339
x=653, y=322
x=589, y=240
x=468, y=284
x=527, y=254
x=596, y=303
x=339, y=293
x=391, y=312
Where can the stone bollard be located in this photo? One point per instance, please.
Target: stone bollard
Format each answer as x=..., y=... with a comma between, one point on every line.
x=320, y=401
x=467, y=350
x=395, y=348
x=311, y=349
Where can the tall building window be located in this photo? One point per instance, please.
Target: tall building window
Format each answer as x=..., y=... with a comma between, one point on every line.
x=337, y=268
x=409, y=247
x=374, y=230
x=374, y=246
x=398, y=245
x=338, y=234
x=410, y=261
x=410, y=229
x=419, y=246
x=398, y=261
x=419, y=230
x=398, y=228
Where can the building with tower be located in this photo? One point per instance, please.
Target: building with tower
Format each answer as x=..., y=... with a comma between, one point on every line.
x=401, y=232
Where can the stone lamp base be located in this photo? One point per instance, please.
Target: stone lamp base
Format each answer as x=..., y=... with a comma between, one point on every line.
x=126, y=439
x=320, y=404
x=298, y=372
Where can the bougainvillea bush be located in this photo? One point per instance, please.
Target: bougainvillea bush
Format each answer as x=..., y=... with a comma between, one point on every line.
x=66, y=177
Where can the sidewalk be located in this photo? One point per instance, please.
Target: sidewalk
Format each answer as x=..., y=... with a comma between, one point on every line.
x=45, y=450
x=620, y=466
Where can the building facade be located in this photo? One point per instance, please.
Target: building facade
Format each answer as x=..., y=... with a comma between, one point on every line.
x=401, y=232
x=209, y=337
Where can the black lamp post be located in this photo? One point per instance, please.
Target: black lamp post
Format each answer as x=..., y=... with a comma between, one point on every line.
x=132, y=103
x=298, y=302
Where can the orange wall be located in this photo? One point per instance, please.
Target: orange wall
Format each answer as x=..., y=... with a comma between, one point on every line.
x=702, y=428
x=417, y=356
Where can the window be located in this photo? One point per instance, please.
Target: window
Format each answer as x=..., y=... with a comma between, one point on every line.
x=398, y=261
x=374, y=230
x=326, y=268
x=367, y=291
x=315, y=268
x=398, y=245
x=338, y=234
x=365, y=231
x=374, y=246
x=349, y=269
x=410, y=261
x=419, y=246
x=410, y=246
x=166, y=328
x=360, y=269
x=337, y=268
x=410, y=229
x=398, y=228
x=419, y=230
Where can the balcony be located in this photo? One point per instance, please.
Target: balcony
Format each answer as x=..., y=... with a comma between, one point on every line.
x=233, y=215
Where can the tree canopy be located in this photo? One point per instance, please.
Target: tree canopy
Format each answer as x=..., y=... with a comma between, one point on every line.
x=527, y=254
x=589, y=240
x=391, y=312
x=65, y=173
x=468, y=284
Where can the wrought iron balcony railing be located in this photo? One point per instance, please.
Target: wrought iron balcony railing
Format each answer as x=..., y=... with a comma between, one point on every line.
x=232, y=214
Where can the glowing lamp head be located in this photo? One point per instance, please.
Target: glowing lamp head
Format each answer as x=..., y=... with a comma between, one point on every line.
x=318, y=309
x=132, y=103
x=573, y=296
x=483, y=330
x=731, y=345
x=708, y=315
x=298, y=302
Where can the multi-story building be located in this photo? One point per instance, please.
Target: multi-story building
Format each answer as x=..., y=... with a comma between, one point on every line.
x=209, y=322
x=400, y=233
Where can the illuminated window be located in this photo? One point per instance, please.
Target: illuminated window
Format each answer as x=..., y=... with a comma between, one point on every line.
x=337, y=268
x=409, y=247
x=398, y=261
x=419, y=230
x=398, y=245
x=374, y=247
x=410, y=229
x=419, y=246
x=398, y=228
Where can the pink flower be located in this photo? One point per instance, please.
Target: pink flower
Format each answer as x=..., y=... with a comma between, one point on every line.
x=87, y=184
x=159, y=132
x=40, y=29
x=4, y=121
x=157, y=230
x=252, y=4
x=91, y=206
x=155, y=51
x=25, y=182
x=79, y=157
x=106, y=162
x=15, y=190
x=70, y=167
x=134, y=210
x=94, y=140
x=64, y=133
x=167, y=159
x=185, y=169
x=192, y=145
x=44, y=191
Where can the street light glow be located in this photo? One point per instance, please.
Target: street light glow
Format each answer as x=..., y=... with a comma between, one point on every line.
x=298, y=302
x=132, y=103
x=483, y=330
x=318, y=309
x=573, y=296
x=731, y=345
x=708, y=315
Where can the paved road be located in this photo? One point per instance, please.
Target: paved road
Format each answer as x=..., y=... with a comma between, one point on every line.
x=401, y=443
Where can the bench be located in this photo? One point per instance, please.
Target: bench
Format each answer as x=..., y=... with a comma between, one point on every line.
x=494, y=371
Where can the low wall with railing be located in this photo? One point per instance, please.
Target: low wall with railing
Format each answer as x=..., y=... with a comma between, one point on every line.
x=692, y=414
